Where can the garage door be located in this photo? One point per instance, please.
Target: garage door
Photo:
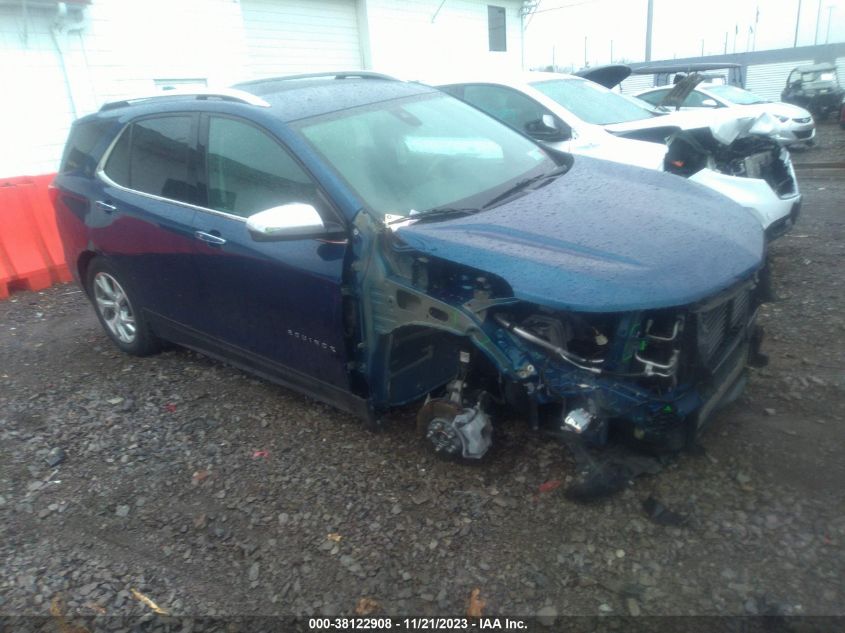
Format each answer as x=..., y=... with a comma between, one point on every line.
x=291, y=36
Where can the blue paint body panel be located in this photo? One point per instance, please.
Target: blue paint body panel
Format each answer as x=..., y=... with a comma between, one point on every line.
x=605, y=237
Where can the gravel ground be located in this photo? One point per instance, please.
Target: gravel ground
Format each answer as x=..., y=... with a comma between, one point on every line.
x=214, y=493
x=829, y=147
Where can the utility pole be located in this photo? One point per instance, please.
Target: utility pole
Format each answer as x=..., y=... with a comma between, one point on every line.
x=726, y=42
x=818, y=16
x=648, y=27
x=756, y=25
x=585, y=51
x=702, y=47
x=829, y=16
x=797, y=21
x=611, y=48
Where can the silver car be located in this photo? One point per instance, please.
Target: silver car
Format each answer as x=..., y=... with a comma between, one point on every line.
x=796, y=121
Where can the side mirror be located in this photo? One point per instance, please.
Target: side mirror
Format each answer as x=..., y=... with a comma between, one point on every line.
x=548, y=129
x=287, y=221
x=710, y=103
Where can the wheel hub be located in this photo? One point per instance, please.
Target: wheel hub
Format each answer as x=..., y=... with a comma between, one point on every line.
x=443, y=437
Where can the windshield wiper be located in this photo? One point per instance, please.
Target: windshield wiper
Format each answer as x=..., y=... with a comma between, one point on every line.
x=436, y=212
x=524, y=184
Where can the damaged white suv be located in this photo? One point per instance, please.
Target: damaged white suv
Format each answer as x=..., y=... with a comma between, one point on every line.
x=736, y=156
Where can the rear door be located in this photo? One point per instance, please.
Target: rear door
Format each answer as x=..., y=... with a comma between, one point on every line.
x=143, y=216
x=279, y=302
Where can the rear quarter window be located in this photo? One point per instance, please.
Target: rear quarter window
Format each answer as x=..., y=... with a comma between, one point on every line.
x=84, y=147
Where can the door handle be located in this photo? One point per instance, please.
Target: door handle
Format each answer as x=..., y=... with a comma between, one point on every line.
x=209, y=238
x=102, y=205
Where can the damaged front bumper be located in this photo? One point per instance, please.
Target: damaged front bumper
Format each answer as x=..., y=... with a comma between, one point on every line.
x=656, y=389
x=777, y=214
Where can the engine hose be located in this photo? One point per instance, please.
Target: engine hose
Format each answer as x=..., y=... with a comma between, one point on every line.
x=569, y=357
x=572, y=359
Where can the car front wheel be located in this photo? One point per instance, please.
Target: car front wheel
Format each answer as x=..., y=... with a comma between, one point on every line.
x=118, y=311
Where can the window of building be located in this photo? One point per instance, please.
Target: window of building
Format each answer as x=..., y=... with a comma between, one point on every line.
x=496, y=28
x=180, y=84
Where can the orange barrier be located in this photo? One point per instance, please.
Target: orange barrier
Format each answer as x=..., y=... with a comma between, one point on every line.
x=31, y=255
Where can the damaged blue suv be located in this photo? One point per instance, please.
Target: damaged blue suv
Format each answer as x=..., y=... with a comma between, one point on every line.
x=375, y=243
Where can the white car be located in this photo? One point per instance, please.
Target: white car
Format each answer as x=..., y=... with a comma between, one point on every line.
x=796, y=121
x=733, y=155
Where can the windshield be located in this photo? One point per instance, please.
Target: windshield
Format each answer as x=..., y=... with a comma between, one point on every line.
x=825, y=75
x=736, y=95
x=591, y=102
x=424, y=153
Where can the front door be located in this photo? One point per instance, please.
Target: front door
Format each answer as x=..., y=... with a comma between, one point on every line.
x=276, y=302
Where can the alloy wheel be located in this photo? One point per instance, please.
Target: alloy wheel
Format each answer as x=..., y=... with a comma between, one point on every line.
x=114, y=307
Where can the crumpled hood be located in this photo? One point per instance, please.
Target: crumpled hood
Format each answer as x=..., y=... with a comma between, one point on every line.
x=605, y=237
x=682, y=119
x=726, y=124
x=778, y=108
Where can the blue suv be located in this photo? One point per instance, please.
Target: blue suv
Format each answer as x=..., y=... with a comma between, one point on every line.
x=375, y=243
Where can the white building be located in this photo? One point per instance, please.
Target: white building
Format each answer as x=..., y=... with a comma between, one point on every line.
x=62, y=60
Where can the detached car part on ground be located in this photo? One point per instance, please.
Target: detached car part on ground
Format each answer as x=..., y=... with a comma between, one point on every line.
x=736, y=156
x=375, y=244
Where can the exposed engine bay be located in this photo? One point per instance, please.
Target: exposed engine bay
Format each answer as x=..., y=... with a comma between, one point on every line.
x=759, y=157
x=735, y=147
x=457, y=339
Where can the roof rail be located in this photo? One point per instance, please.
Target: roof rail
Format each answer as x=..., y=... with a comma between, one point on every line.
x=346, y=74
x=224, y=94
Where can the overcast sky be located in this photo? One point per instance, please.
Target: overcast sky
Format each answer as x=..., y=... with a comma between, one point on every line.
x=679, y=28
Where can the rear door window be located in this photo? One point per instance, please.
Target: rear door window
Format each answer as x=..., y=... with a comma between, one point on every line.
x=249, y=171
x=159, y=158
x=151, y=156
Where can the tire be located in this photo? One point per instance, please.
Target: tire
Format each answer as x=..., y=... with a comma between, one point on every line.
x=118, y=310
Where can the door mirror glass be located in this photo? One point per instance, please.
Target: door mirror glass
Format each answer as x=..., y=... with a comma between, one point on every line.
x=709, y=103
x=287, y=221
x=549, y=129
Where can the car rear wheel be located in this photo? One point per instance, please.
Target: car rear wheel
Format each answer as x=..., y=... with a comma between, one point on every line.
x=119, y=312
